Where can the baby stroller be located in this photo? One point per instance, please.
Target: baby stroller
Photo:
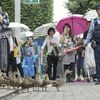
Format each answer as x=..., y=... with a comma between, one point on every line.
x=89, y=63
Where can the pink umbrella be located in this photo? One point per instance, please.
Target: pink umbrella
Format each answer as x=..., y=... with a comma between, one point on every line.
x=78, y=24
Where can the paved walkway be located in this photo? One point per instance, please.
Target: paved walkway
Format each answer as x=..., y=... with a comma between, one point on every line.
x=70, y=91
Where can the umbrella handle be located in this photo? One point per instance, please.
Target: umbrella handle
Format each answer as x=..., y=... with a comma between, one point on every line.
x=72, y=49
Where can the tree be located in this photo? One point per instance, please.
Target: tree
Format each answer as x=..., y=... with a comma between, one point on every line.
x=80, y=6
x=31, y=15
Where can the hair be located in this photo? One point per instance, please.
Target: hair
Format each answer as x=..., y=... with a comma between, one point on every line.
x=70, y=33
x=9, y=29
x=97, y=7
x=50, y=29
x=30, y=37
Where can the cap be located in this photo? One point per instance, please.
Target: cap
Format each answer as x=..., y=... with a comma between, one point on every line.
x=98, y=6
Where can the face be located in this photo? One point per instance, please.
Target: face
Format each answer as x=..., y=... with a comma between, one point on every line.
x=66, y=29
x=98, y=12
x=51, y=33
x=30, y=40
x=28, y=53
x=79, y=40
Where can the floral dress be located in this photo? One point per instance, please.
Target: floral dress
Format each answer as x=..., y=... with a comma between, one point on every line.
x=68, y=57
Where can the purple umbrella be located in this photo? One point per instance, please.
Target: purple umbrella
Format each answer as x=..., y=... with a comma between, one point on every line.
x=78, y=25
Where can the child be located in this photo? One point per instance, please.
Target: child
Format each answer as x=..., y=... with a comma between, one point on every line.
x=80, y=60
x=28, y=64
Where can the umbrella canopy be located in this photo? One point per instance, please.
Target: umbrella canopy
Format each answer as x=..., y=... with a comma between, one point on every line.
x=20, y=42
x=24, y=35
x=19, y=25
x=78, y=24
x=42, y=30
x=90, y=15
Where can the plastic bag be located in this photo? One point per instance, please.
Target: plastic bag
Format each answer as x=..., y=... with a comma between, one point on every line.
x=89, y=56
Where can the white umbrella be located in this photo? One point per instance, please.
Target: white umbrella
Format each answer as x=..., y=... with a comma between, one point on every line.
x=42, y=30
x=19, y=25
x=24, y=35
x=20, y=42
x=90, y=15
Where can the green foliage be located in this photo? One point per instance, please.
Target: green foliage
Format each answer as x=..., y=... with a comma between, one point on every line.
x=8, y=6
x=32, y=15
x=80, y=6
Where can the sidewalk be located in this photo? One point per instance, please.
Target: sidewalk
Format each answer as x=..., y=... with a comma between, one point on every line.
x=70, y=91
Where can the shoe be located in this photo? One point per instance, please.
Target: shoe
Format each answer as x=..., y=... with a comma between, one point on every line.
x=82, y=79
x=78, y=79
x=97, y=82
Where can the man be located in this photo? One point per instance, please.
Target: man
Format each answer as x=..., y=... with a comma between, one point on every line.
x=94, y=34
x=4, y=22
x=12, y=43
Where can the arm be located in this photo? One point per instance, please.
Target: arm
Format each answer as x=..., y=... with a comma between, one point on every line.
x=23, y=63
x=15, y=41
x=89, y=35
x=61, y=39
x=44, y=44
x=35, y=47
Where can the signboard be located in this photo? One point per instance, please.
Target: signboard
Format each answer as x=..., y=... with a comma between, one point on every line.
x=31, y=1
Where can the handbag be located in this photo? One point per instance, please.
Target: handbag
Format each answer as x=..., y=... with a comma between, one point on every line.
x=93, y=44
x=55, y=51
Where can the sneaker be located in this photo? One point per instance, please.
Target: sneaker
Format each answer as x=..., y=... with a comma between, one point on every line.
x=82, y=79
x=97, y=82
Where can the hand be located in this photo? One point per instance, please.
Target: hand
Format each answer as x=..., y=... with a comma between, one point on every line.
x=1, y=18
x=14, y=45
x=84, y=45
x=52, y=43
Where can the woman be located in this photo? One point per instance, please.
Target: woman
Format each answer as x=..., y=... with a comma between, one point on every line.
x=67, y=42
x=52, y=60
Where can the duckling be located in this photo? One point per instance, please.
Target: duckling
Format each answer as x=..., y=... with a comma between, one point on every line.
x=26, y=84
x=46, y=81
x=38, y=81
x=13, y=80
x=57, y=83
x=19, y=82
x=1, y=79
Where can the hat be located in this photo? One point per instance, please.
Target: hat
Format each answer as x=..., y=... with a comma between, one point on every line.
x=98, y=6
x=28, y=50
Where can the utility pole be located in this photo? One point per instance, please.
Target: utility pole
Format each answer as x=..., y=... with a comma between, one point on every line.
x=17, y=10
x=17, y=16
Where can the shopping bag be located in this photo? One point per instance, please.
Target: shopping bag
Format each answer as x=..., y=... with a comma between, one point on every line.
x=89, y=56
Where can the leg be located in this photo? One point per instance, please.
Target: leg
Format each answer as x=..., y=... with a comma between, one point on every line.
x=97, y=60
x=72, y=68
x=20, y=69
x=67, y=75
x=49, y=68
x=14, y=65
x=55, y=61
